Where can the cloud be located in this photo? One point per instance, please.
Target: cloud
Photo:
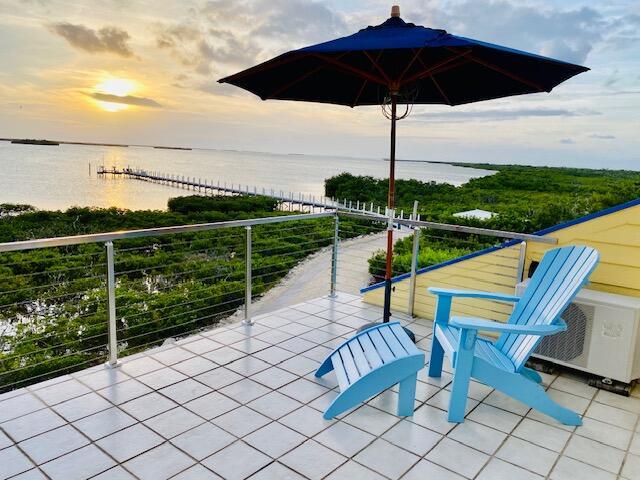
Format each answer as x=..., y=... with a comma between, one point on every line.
x=107, y=39
x=624, y=32
x=621, y=92
x=222, y=37
x=200, y=48
x=614, y=78
x=602, y=137
x=500, y=114
x=127, y=99
x=299, y=21
x=567, y=141
x=567, y=32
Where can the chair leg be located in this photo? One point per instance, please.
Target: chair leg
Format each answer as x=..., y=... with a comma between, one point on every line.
x=532, y=375
x=533, y=395
x=460, y=385
x=325, y=368
x=437, y=355
x=407, y=395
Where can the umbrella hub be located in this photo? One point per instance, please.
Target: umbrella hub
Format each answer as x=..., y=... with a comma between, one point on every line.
x=404, y=96
x=395, y=11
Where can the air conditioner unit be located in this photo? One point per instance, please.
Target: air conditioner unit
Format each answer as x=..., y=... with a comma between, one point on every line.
x=602, y=338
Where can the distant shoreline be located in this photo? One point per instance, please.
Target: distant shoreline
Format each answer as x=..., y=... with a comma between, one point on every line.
x=173, y=148
x=33, y=141
x=27, y=141
x=462, y=164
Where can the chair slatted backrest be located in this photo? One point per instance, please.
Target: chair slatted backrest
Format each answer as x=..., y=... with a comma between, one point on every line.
x=558, y=278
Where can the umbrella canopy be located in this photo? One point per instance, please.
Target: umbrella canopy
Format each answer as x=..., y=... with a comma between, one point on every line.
x=432, y=66
x=401, y=63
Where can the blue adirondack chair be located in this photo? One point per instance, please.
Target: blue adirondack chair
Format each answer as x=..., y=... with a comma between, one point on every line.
x=501, y=365
x=372, y=361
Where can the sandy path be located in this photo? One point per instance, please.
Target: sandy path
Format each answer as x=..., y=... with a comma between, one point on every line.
x=311, y=278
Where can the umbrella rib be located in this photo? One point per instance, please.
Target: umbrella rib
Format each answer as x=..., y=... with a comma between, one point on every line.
x=276, y=62
x=507, y=73
x=364, y=84
x=434, y=68
x=435, y=82
x=350, y=69
x=416, y=56
x=377, y=67
x=298, y=80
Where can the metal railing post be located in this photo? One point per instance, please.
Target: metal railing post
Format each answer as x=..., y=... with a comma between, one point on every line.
x=521, y=261
x=334, y=256
x=414, y=261
x=111, y=302
x=247, y=283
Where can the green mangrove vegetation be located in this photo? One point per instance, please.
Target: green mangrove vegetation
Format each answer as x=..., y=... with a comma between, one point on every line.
x=53, y=301
x=525, y=199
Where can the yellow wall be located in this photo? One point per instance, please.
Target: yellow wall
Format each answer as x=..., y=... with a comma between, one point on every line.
x=494, y=272
x=615, y=235
x=617, y=238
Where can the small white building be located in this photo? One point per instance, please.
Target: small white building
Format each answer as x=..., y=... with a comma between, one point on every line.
x=476, y=214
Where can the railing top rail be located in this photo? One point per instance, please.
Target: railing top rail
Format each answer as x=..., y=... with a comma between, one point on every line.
x=455, y=228
x=151, y=232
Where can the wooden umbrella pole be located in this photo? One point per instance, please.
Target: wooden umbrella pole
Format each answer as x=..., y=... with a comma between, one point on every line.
x=391, y=206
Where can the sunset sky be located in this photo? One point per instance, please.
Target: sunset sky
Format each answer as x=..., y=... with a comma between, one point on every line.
x=145, y=72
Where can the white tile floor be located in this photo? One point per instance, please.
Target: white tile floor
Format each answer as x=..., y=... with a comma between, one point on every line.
x=239, y=402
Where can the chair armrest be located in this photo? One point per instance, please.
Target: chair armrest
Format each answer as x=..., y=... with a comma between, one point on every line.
x=469, y=323
x=501, y=297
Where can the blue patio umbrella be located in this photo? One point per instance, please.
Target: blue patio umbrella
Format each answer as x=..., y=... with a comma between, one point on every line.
x=401, y=63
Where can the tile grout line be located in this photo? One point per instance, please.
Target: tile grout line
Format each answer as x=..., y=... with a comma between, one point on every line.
x=269, y=343
x=627, y=452
x=572, y=434
x=70, y=424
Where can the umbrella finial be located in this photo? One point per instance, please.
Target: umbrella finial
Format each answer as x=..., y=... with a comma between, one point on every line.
x=395, y=11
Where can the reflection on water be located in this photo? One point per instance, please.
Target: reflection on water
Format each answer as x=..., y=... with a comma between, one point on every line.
x=50, y=177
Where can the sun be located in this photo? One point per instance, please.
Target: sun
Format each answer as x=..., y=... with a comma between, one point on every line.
x=119, y=87
x=116, y=86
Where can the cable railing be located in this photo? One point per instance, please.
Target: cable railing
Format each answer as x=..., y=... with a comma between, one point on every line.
x=455, y=256
x=71, y=302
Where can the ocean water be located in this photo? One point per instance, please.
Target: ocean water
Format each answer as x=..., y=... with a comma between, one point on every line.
x=58, y=177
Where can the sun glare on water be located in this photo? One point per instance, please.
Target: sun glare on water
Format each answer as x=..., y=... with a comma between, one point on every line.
x=114, y=86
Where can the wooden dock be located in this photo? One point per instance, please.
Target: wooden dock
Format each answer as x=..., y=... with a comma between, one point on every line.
x=289, y=201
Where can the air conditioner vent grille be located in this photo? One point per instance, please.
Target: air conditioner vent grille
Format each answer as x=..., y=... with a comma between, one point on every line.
x=569, y=345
